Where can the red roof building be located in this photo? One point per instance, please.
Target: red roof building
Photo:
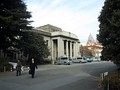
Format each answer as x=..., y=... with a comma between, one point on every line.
x=94, y=45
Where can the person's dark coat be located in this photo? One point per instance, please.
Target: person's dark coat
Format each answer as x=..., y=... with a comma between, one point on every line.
x=18, y=68
x=32, y=66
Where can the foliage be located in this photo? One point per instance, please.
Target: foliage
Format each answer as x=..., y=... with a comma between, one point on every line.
x=4, y=64
x=109, y=33
x=34, y=45
x=3, y=61
x=13, y=19
x=85, y=51
x=113, y=79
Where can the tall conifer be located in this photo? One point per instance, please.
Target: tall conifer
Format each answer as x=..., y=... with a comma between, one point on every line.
x=109, y=33
x=13, y=19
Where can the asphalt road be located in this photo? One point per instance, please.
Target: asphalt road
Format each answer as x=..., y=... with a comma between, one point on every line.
x=58, y=77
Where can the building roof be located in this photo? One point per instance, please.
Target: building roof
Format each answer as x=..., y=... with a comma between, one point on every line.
x=55, y=31
x=93, y=43
x=49, y=28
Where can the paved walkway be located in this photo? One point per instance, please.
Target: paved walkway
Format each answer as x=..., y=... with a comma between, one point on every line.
x=26, y=69
x=40, y=68
x=9, y=80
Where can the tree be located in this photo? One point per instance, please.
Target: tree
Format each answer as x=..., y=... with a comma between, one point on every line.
x=81, y=50
x=13, y=19
x=33, y=44
x=109, y=33
x=85, y=51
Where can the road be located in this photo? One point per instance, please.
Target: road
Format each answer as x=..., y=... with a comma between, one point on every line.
x=58, y=77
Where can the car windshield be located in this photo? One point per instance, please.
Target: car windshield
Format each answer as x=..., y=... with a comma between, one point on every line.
x=79, y=58
x=63, y=58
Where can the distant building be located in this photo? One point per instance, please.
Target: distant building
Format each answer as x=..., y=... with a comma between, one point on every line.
x=60, y=43
x=95, y=46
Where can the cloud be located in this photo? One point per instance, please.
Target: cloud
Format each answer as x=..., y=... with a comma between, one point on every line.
x=54, y=3
x=77, y=16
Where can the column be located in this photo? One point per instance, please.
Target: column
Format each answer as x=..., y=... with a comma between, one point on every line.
x=73, y=55
x=67, y=48
x=70, y=49
x=52, y=52
x=75, y=49
x=60, y=47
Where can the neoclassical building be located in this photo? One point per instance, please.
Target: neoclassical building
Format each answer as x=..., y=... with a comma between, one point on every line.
x=60, y=43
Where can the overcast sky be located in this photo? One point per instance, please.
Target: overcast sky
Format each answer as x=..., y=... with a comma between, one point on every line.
x=76, y=16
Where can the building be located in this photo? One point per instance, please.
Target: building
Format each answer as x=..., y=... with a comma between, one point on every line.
x=95, y=46
x=60, y=43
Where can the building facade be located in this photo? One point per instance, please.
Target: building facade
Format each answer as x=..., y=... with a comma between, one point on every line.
x=94, y=45
x=60, y=43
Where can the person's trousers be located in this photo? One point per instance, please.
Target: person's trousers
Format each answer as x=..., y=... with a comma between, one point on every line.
x=18, y=73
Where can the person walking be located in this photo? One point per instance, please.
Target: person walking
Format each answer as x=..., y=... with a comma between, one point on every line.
x=32, y=66
x=18, y=68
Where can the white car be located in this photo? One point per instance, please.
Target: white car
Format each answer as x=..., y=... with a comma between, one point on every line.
x=96, y=59
x=83, y=61
x=77, y=60
x=13, y=64
x=63, y=60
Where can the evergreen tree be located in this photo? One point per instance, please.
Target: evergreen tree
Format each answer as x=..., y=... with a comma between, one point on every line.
x=13, y=19
x=109, y=33
x=34, y=45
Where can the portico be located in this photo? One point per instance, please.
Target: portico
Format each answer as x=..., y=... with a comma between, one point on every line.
x=63, y=47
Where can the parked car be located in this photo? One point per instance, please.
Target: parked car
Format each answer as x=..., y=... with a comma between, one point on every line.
x=83, y=61
x=96, y=59
x=77, y=60
x=89, y=59
x=63, y=60
x=13, y=64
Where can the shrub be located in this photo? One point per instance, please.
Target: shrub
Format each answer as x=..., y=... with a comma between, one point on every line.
x=3, y=63
x=112, y=80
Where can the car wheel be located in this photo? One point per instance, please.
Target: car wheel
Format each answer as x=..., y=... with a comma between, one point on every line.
x=65, y=63
x=68, y=63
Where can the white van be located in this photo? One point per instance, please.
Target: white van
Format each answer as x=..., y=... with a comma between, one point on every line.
x=78, y=60
x=63, y=60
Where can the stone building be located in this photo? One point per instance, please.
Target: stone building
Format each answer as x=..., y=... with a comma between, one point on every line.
x=60, y=43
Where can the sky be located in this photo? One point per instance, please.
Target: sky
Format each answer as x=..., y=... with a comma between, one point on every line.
x=79, y=17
